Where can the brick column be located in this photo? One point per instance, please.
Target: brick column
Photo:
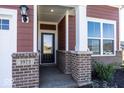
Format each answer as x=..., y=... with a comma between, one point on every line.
x=63, y=61
x=25, y=70
x=81, y=67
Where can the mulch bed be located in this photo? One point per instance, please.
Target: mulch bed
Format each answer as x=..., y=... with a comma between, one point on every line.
x=117, y=81
x=119, y=78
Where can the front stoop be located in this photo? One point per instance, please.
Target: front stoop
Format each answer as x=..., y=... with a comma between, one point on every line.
x=25, y=70
x=52, y=77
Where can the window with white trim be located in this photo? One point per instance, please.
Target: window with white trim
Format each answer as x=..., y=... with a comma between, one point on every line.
x=4, y=24
x=101, y=37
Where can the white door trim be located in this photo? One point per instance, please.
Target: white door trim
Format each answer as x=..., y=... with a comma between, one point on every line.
x=48, y=31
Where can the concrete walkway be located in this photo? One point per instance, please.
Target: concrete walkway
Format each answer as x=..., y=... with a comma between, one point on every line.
x=51, y=77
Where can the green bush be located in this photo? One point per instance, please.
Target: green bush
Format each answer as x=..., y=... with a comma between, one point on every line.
x=104, y=72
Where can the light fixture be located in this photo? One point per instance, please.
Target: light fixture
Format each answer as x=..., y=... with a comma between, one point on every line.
x=51, y=10
x=24, y=13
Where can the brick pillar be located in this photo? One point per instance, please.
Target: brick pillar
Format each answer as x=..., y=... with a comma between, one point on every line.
x=63, y=61
x=81, y=67
x=25, y=70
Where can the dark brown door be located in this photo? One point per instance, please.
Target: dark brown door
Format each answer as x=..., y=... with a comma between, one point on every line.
x=47, y=48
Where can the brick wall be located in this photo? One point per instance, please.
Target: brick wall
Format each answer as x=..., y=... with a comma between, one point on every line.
x=63, y=61
x=25, y=70
x=78, y=64
x=81, y=67
x=116, y=60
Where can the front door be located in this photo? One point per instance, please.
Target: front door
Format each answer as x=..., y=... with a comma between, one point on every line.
x=47, y=48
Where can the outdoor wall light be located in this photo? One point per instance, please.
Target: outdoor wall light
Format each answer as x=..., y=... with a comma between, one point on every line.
x=51, y=10
x=24, y=13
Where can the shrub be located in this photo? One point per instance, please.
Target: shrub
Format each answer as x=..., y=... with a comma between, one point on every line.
x=104, y=72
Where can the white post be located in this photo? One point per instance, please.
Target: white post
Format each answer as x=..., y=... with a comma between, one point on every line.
x=81, y=29
x=121, y=28
x=35, y=30
x=66, y=32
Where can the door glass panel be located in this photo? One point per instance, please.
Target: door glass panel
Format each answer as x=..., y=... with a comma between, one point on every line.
x=47, y=44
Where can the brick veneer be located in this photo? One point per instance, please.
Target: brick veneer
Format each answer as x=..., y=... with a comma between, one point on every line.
x=117, y=59
x=78, y=64
x=63, y=61
x=25, y=75
x=81, y=67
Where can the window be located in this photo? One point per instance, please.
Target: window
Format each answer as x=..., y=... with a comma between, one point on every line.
x=94, y=45
x=101, y=37
x=4, y=24
x=93, y=29
x=108, y=30
x=108, y=47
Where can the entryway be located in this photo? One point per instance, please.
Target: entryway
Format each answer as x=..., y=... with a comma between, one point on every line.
x=49, y=41
x=52, y=77
x=47, y=48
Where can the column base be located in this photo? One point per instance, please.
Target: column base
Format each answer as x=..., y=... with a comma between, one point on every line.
x=81, y=83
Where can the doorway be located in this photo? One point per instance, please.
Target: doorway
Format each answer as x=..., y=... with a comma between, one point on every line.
x=47, y=48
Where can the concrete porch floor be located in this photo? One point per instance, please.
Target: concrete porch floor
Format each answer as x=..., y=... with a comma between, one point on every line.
x=52, y=77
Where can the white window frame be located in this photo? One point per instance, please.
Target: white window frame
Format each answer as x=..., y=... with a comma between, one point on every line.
x=101, y=21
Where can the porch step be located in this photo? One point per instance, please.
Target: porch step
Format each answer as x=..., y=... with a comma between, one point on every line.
x=51, y=77
x=58, y=85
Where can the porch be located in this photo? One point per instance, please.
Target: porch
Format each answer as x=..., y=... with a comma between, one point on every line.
x=62, y=36
x=56, y=25
x=55, y=47
x=52, y=77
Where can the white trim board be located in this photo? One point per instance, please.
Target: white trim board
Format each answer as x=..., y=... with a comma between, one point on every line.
x=35, y=29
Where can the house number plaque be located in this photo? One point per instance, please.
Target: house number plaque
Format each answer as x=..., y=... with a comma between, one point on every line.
x=21, y=62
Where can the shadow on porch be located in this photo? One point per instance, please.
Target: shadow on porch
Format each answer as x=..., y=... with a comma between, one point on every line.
x=52, y=77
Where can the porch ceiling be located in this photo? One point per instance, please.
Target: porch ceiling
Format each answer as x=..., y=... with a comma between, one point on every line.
x=45, y=14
